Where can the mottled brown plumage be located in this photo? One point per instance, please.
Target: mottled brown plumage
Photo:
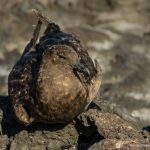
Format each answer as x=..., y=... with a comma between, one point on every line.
x=54, y=80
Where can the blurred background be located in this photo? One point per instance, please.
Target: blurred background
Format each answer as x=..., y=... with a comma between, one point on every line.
x=115, y=32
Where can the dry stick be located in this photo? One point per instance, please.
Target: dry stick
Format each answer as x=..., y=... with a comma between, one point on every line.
x=41, y=17
x=36, y=34
x=31, y=45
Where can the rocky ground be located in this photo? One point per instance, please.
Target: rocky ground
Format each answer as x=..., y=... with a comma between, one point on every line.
x=94, y=129
x=115, y=32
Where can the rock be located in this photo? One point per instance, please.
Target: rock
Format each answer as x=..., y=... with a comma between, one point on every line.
x=114, y=132
x=48, y=138
x=109, y=125
x=128, y=144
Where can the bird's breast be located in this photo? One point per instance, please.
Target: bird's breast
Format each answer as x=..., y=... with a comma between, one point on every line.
x=60, y=95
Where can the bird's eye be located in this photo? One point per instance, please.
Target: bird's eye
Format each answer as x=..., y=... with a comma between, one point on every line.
x=61, y=55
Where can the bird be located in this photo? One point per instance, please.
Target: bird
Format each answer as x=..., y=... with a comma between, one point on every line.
x=55, y=79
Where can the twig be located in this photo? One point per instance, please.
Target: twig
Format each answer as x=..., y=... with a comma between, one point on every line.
x=41, y=17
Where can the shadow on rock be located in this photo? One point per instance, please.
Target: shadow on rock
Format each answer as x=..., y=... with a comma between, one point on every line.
x=88, y=135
